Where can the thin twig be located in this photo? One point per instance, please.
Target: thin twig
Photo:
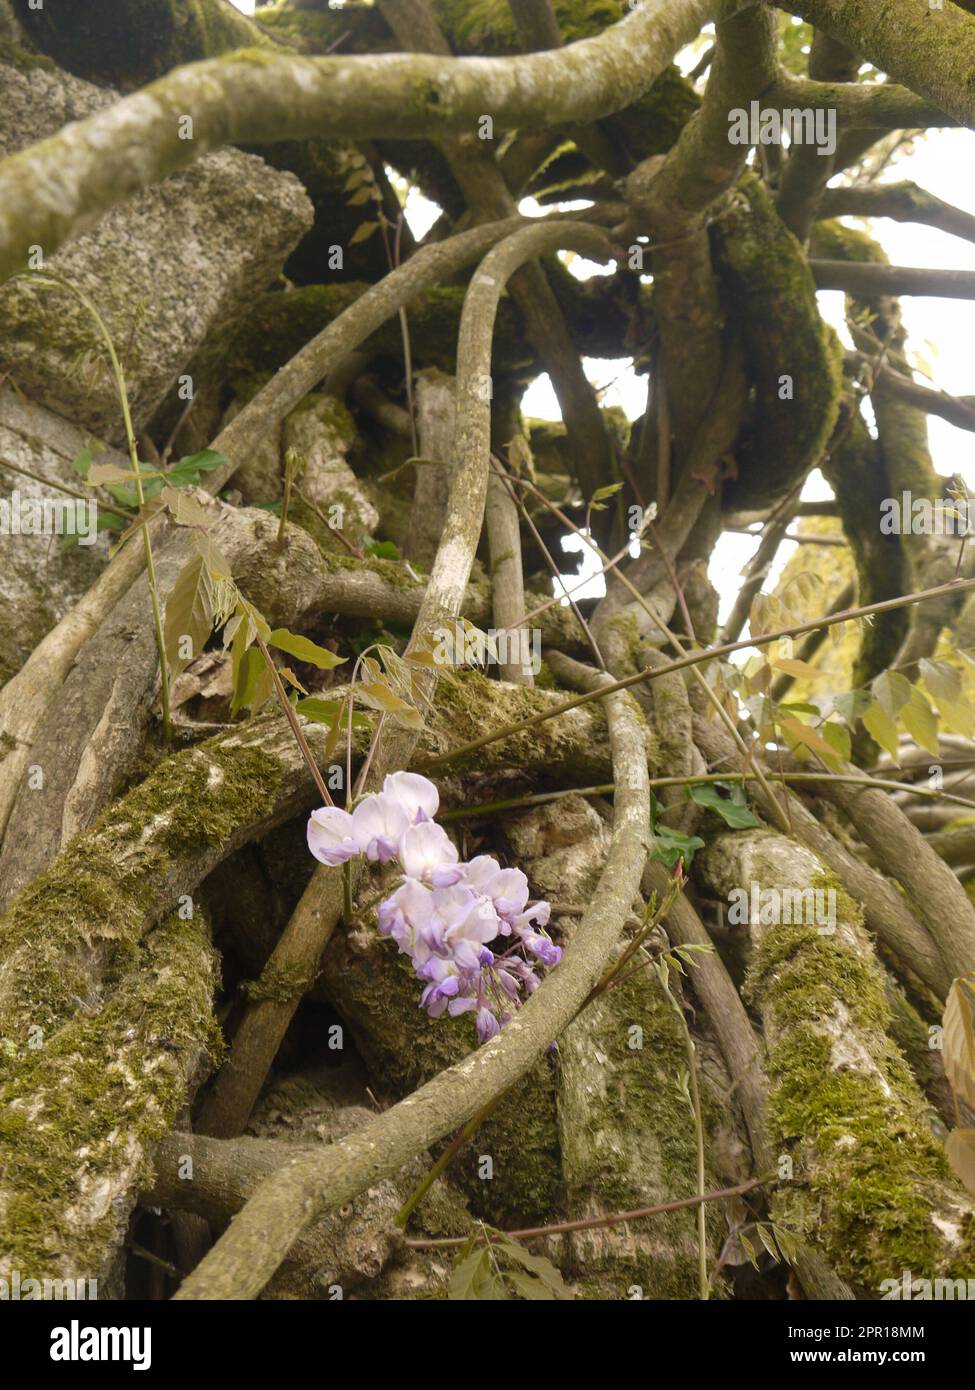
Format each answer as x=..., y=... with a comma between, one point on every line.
x=709, y=694
x=593, y=1223
x=462, y=1137
x=337, y=530
x=126, y=516
x=672, y=576
x=554, y=571
x=123, y=395
x=513, y=803
x=292, y=719
x=697, y=659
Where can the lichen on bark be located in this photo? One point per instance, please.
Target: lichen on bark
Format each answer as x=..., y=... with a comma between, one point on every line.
x=865, y=1180
x=83, y=1100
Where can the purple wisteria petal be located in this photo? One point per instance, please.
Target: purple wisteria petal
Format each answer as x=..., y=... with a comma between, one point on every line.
x=456, y=1007
x=480, y=873
x=416, y=795
x=543, y=947
x=330, y=836
x=487, y=1025
x=538, y=914
x=509, y=892
x=378, y=824
x=408, y=917
x=427, y=853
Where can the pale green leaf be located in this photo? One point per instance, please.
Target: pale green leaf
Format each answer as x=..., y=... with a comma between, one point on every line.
x=601, y=493
x=957, y=716
x=958, y=1038
x=787, y=1243
x=766, y=1239
x=920, y=721
x=183, y=508
x=101, y=473
x=798, y=733
x=304, y=649
x=748, y=1248
x=892, y=692
x=532, y=1289
x=942, y=680
x=838, y=738
x=253, y=686
x=379, y=696
x=960, y=1148
x=467, y=1275
x=189, y=614
x=286, y=673
x=363, y=231
x=542, y=1268
x=850, y=705
x=218, y=566
x=880, y=726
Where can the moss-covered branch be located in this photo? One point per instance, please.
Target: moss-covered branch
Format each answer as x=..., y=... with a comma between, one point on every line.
x=375, y=994
x=109, y=691
x=26, y=698
x=931, y=51
x=85, y=1097
x=214, y=1178
x=255, y=96
x=626, y=1132
x=93, y=741
x=937, y=897
x=903, y=202
x=81, y=918
x=873, y=106
x=669, y=197
x=899, y=930
x=957, y=410
x=869, y=1183
x=794, y=359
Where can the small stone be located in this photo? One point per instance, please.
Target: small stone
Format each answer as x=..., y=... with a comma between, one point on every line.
x=321, y=431
x=166, y=269
x=40, y=579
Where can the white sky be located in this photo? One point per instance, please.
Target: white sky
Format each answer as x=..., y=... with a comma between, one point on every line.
x=941, y=330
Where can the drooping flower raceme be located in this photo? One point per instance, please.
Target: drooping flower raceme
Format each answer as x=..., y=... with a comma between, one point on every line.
x=445, y=914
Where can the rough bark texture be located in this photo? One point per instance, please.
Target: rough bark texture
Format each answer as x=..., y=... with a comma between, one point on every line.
x=87, y=1094
x=95, y=738
x=35, y=594
x=168, y=270
x=254, y=95
x=844, y=1107
x=626, y=1134
x=356, y=1252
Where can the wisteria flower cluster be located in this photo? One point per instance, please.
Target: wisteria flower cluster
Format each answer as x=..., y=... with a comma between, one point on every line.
x=444, y=915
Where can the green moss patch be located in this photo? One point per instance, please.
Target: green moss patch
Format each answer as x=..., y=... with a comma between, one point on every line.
x=80, y=1107
x=871, y=1185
